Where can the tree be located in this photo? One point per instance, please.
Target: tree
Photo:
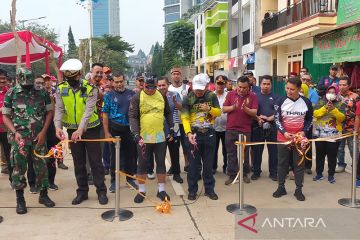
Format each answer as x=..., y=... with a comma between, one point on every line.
x=179, y=44
x=72, y=49
x=110, y=50
x=157, y=63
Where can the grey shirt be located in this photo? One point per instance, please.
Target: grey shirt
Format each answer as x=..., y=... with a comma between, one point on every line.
x=89, y=109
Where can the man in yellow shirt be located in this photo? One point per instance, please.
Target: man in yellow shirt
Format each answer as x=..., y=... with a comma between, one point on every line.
x=146, y=117
x=200, y=108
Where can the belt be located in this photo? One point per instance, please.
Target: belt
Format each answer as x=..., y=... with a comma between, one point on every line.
x=201, y=130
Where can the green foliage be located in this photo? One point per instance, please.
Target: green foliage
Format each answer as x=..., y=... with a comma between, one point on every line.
x=110, y=50
x=179, y=44
x=157, y=64
x=194, y=10
x=72, y=49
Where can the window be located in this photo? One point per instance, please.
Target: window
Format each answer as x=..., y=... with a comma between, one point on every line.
x=172, y=17
x=172, y=9
x=171, y=2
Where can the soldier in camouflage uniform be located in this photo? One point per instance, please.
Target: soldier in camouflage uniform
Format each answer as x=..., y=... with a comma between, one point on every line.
x=27, y=114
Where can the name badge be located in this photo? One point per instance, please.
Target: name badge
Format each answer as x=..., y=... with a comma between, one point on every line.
x=65, y=92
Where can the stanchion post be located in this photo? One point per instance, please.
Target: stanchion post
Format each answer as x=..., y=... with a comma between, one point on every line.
x=353, y=202
x=122, y=214
x=241, y=208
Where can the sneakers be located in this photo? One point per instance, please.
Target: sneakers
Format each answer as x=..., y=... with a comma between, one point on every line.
x=162, y=195
x=246, y=179
x=151, y=176
x=299, y=195
x=331, y=179
x=139, y=198
x=339, y=169
x=61, y=165
x=273, y=177
x=53, y=187
x=132, y=183
x=255, y=176
x=230, y=180
x=280, y=191
x=358, y=183
x=112, y=188
x=212, y=195
x=192, y=196
x=308, y=171
x=177, y=178
x=34, y=190
x=318, y=177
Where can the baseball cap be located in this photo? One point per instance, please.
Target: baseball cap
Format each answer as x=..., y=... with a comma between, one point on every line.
x=200, y=81
x=107, y=70
x=151, y=82
x=45, y=76
x=176, y=69
x=139, y=77
x=247, y=73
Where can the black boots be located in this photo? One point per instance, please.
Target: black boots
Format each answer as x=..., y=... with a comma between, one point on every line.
x=20, y=202
x=44, y=199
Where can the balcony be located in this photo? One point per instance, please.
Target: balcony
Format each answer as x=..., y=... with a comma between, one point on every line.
x=310, y=16
x=218, y=14
x=296, y=13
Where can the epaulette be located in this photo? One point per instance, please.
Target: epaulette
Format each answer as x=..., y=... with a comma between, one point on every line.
x=62, y=82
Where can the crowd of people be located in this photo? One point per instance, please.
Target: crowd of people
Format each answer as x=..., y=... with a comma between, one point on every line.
x=160, y=114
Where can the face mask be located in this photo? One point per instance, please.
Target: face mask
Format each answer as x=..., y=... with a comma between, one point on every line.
x=73, y=83
x=330, y=96
x=27, y=87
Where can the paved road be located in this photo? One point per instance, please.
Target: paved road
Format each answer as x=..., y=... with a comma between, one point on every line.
x=204, y=219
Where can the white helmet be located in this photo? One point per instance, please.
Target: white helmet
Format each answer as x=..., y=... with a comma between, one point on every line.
x=71, y=68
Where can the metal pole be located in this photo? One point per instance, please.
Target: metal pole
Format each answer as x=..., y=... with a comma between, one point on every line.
x=117, y=178
x=122, y=214
x=91, y=33
x=353, y=202
x=241, y=208
x=241, y=173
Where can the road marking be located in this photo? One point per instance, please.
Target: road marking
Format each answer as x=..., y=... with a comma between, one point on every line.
x=178, y=188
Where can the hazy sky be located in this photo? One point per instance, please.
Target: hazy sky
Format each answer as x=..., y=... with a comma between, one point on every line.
x=141, y=21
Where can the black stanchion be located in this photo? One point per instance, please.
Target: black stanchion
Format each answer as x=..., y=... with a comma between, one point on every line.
x=1, y=219
x=352, y=202
x=241, y=208
x=122, y=214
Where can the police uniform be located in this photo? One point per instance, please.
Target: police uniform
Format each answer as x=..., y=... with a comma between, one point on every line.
x=75, y=108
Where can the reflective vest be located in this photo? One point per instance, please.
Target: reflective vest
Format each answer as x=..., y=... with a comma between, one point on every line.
x=75, y=104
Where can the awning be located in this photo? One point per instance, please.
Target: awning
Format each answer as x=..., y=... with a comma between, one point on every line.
x=30, y=49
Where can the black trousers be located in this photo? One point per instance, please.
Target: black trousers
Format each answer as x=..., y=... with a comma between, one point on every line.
x=174, y=150
x=148, y=150
x=220, y=136
x=329, y=149
x=6, y=147
x=283, y=166
x=127, y=151
x=259, y=135
x=79, y=150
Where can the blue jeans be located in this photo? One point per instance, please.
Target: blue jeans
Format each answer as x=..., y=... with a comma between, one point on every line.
x=341, y=151
x=202, y=153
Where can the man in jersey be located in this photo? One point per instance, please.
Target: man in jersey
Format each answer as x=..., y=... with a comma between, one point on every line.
x=293, y=116
x=182, y=89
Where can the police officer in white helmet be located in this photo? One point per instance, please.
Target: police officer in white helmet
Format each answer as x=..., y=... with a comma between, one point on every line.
x=75, y=110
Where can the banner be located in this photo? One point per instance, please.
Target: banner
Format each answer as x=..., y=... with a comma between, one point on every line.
x=338, y=46
x=348, y=11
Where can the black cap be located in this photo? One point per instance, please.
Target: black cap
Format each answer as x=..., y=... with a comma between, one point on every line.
x=151, y=82
x=247, y=73
x=140, y=77
x=334, y=67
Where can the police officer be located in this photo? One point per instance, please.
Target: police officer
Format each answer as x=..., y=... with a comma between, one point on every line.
x=75, y=110
x=27, y=114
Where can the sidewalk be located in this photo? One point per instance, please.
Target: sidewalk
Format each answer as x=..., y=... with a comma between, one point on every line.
x=204, y=219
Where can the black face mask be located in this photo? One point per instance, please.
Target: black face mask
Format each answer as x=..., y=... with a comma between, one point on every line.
x=73, y=83
x=27, y=87
x=185, y=81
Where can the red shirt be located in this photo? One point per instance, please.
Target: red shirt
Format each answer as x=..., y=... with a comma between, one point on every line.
x=238, y=120
x=358, y=108
x=2, y=96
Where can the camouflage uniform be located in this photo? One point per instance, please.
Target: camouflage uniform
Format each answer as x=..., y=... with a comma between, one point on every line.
x=27, y=109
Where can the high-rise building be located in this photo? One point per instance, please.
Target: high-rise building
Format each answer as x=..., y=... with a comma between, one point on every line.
x=174, y=9
x=106, y=18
